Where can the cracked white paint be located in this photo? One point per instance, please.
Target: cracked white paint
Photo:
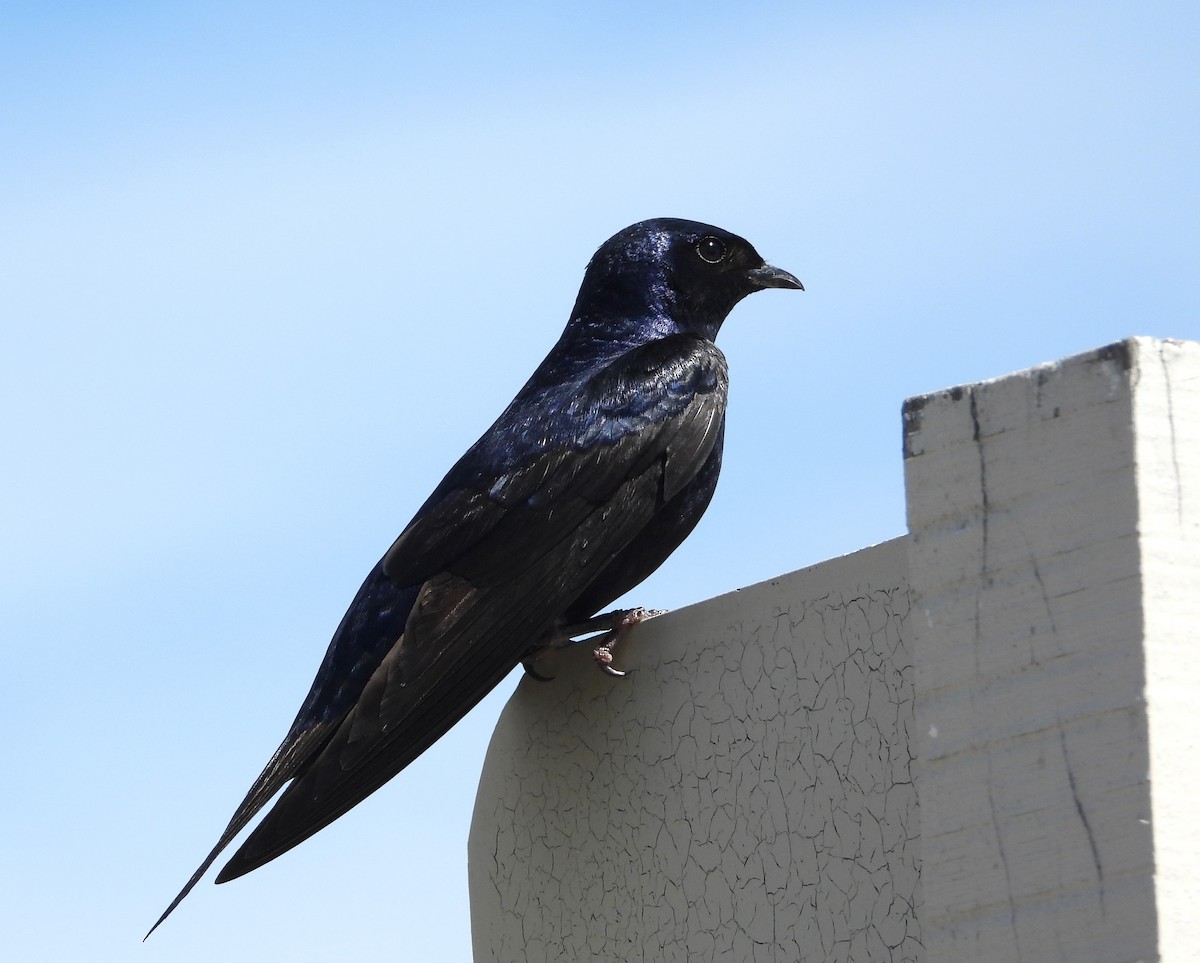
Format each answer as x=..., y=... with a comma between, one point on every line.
x=745, y=794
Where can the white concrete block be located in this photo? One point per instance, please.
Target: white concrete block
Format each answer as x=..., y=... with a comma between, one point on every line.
x=1053, y=573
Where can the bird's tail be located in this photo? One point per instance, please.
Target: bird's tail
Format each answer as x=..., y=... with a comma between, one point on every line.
x=291, y=755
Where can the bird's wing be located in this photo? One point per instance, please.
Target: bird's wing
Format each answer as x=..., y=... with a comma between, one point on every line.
x=538, y=537
x=582, y=442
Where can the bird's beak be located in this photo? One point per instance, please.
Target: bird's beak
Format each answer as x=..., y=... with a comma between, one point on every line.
x=773, y=277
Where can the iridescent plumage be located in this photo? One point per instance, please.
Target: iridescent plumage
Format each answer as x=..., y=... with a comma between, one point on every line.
x=589, y=479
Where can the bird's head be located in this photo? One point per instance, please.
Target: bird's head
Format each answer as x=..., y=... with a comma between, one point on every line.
x=677, y=275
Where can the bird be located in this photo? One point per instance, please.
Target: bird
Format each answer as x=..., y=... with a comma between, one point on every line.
x=591, y=477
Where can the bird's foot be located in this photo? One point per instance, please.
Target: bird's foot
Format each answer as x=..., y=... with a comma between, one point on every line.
x=612, y=627
x=619, y=623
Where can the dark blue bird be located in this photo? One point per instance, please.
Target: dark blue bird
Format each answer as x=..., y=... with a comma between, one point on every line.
x=592, y=476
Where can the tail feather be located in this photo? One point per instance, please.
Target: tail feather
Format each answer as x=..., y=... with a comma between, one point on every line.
x=291, y=756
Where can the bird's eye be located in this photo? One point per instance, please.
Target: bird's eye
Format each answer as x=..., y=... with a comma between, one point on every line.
x=711, y=249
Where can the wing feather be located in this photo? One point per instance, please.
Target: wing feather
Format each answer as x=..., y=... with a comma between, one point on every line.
x=668, y=394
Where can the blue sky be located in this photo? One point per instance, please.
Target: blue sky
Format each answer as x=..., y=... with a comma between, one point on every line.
x=267, y=271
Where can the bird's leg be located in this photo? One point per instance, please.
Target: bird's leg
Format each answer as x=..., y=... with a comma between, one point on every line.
x=536, y=652
x=564, y=636
x=613, y=626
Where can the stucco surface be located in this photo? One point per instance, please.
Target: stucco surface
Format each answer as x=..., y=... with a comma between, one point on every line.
x=744, y=794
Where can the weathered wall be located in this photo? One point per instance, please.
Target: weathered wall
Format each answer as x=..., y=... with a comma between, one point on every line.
x=744, y=794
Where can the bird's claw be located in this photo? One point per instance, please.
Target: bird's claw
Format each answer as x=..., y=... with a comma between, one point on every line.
x=527, y=665
x=621, y=622
x=604, y=657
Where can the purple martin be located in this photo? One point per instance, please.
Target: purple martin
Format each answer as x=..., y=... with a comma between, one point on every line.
x=593, y=475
